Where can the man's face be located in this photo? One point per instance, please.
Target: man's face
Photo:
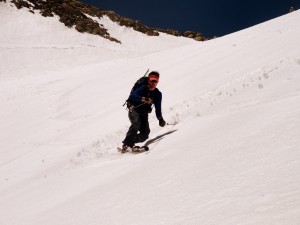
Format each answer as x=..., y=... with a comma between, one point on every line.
x=153, y=81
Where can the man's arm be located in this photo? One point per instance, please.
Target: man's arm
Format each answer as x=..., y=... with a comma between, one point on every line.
x=157, y=104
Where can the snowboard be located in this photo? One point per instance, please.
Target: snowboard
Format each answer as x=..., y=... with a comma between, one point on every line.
x=135, y=149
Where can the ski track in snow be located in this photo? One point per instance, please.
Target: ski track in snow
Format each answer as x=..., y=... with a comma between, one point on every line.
x=105, y=149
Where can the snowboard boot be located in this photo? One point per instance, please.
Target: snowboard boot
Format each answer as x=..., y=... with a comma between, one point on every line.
x=136, y=149
x=125, y=148
x=140, y=148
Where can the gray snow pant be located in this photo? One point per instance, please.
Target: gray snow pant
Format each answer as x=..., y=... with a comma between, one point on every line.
x=139, y=130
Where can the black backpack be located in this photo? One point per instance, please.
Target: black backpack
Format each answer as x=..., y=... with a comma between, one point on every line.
x=141, y=82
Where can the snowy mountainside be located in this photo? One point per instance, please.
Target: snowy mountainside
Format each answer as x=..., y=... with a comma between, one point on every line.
x=76, y=14
x=29, y=36
x=232, y=158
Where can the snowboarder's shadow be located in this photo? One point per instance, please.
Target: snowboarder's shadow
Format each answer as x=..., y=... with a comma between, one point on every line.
x=158, y=138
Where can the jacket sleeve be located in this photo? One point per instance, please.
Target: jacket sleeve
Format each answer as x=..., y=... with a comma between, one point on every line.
x=157, y=104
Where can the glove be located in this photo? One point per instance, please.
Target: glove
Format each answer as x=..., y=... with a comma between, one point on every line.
x=147, y=100
x=162, y=123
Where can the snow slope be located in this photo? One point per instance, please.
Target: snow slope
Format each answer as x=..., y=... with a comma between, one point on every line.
x=232, y=158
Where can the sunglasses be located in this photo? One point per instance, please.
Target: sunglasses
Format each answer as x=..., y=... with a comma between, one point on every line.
x=153, y=81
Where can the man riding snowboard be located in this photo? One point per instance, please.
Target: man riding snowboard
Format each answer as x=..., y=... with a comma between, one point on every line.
x=140, y=103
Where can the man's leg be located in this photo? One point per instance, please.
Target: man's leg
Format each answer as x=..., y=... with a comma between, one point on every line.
x=144, y=128
x=131, y=136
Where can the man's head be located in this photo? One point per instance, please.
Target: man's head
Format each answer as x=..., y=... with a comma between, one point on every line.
x=153, y=79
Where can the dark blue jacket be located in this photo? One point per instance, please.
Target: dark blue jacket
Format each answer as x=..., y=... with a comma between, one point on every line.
x=135, y=99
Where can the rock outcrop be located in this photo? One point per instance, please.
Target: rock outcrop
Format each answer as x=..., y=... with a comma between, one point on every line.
x=76, y=14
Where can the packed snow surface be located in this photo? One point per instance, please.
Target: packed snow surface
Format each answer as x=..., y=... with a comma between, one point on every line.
x=232, y=157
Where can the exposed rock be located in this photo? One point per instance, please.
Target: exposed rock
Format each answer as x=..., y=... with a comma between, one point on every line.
x=20, y=4
x=46, y=13
x=76, y=14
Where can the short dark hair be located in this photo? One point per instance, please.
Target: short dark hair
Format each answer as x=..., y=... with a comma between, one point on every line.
x=154, y=73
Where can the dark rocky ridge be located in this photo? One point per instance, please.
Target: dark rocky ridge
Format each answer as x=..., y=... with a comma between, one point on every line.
x=74, y=13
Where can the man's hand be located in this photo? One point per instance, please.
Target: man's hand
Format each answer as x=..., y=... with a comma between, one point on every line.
x=147, y=100
x=162, y=123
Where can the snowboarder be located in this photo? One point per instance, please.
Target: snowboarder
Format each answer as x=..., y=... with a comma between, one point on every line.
x=139, y=104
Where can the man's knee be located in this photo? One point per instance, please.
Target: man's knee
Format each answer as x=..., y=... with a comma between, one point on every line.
x=143, y=137
x=145, y=133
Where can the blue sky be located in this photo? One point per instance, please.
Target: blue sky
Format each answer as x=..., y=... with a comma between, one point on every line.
x=209, y=17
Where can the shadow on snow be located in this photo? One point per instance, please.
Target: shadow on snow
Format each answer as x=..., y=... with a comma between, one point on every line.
x=158, y=138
